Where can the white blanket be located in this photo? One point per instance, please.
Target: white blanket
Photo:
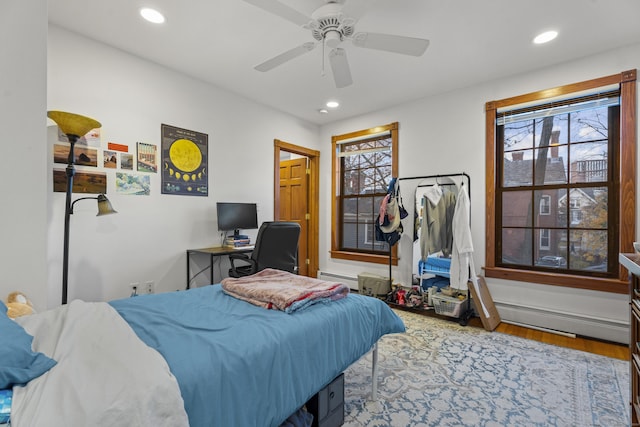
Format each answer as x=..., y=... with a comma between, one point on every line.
x=105, y=375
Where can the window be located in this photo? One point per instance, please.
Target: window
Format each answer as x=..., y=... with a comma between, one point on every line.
x=563, y=174
x=545, y=205
x=544, y=238
x=363, y=164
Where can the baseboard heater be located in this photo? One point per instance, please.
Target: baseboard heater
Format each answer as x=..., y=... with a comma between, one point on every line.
x=352, y=282
x=563, y=323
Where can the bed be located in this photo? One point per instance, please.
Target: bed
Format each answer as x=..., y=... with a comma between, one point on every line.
x=198, y=357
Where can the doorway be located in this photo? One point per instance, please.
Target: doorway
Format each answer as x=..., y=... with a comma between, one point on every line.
x=296, y=198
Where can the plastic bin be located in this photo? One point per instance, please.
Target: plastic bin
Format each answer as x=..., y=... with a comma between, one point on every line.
x=435, y=265
x=447, y=306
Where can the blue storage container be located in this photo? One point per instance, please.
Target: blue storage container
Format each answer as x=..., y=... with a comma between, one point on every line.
x=436, y=265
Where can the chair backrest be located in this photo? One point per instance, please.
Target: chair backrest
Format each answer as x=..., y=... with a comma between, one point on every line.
x=277, y=246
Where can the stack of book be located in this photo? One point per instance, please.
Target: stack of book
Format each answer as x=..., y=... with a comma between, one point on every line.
x=237, y=241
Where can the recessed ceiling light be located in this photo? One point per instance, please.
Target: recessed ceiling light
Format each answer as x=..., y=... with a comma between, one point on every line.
x=323, y=111
x=333, y=104
x=152, y=15
x=545, y=37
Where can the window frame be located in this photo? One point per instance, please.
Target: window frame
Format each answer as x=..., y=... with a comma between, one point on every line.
x=625, y=163
x=336, y=173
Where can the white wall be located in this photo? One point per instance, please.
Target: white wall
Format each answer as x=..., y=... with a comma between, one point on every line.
x=445, y=134
x=23, y=164
x=148, y=238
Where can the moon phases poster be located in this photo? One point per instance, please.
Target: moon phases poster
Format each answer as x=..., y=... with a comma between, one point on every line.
x=184, y=162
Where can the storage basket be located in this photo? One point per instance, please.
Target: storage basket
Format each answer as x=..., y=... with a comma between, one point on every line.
x=447, y=306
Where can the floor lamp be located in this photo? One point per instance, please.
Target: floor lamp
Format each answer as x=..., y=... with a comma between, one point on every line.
x=74, y=126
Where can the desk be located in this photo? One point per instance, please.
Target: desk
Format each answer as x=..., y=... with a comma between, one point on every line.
x=213, y=252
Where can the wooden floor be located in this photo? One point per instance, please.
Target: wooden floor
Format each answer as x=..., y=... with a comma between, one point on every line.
x=591, y=345
x=617, y=351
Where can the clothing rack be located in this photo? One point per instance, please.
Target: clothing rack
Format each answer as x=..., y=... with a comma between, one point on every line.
x=465, y=180
x=465, y=176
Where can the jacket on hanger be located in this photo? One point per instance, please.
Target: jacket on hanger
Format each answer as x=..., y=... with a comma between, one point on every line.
x=438, y=206
x=462, y=248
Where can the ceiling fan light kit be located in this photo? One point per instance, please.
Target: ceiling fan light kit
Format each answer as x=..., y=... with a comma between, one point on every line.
x=330, y=26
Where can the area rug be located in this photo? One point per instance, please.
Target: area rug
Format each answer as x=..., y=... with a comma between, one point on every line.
x=439, y=373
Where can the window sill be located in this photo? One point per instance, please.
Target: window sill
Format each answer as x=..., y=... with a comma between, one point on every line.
x=567, y=280
x=362, y=257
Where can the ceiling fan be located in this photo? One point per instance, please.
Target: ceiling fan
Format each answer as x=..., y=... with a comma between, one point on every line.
x=330, y=27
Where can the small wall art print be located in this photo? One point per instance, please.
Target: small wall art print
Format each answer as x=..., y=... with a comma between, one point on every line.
x=84, y=156
x=184, y=161
x=109, y=159
x=147, y=157
x=126, y=161
x=83, y=182
x=130, y=184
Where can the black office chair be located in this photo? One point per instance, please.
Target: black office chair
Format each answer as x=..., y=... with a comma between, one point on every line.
x=276, y=247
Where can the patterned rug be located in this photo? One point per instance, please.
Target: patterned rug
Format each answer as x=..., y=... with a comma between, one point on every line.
x=442, y=374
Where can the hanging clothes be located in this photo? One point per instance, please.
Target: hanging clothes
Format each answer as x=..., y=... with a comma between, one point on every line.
x=388, y=226
x=462, y=268
x=438, y=206
x=462, y=248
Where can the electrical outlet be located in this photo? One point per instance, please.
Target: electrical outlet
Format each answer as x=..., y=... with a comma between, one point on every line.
x=150, y=286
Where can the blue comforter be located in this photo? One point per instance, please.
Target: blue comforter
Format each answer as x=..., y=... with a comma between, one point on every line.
x=242, y=365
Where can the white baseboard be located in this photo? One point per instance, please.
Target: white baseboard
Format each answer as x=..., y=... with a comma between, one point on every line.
x=571, y=323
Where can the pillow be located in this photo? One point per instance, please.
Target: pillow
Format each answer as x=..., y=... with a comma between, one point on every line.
x=19, y=364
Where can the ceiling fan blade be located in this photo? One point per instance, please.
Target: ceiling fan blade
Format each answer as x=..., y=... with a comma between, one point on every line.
x=340, y=68
x=281, y=10
x=396, y=44
x=286, y=56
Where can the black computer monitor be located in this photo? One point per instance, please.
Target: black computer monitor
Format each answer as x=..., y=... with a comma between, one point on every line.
x=237, y=216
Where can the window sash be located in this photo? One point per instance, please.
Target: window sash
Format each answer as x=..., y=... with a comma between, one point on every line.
x=558, y=246
x=341, y=153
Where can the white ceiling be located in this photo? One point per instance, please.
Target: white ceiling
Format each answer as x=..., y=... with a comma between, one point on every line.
x=471, y=41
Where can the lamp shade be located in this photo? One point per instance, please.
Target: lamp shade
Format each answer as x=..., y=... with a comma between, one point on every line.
x=73, y=124
x=104, y=206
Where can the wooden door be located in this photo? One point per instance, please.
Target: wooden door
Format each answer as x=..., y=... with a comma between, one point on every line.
x=294, y=202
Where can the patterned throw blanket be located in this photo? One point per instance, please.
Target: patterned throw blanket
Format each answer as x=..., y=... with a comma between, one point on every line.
x=280, y=290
